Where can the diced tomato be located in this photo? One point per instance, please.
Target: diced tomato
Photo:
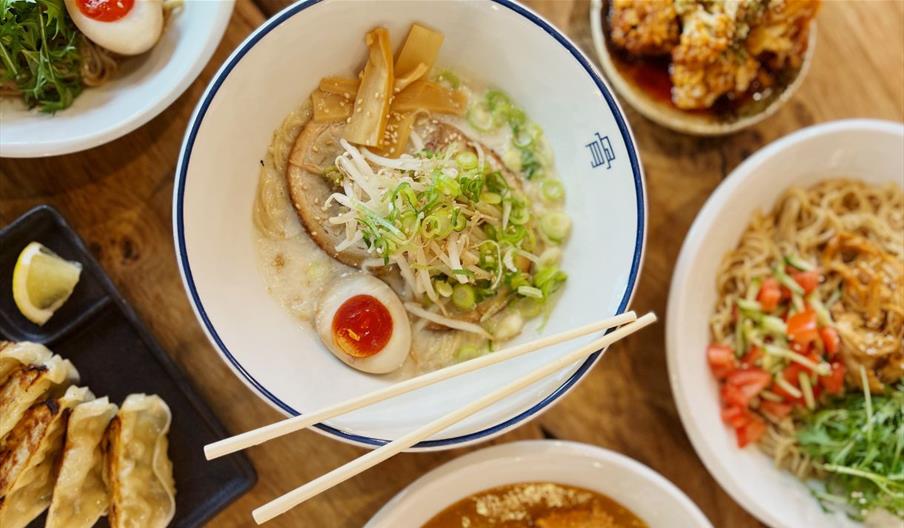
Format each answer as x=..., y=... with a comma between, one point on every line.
x=808, y=280
x=751, y=432
x=791, y=374
x=754, y=353
x=802, y=327
x=733, y=396
x=736, y=416
x=744, y=384
x=834, y=382
x=830, y=340
x=786, y=293
x=770, y=294
x=721, y=360
x=776, y=409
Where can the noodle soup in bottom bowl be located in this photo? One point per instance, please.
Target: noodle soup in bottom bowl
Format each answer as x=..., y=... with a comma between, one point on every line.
x=521, y=153
x=852, y=170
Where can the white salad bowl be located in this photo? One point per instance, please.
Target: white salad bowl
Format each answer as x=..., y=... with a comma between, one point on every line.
x=872, y=151
x=646, y=493
x=500, y=43
x=144, y=86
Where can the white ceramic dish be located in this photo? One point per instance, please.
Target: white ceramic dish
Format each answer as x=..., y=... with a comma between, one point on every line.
x=864, y=149
x=269, y=75
x=670, y=117
x=143, y=88
x=640, y=489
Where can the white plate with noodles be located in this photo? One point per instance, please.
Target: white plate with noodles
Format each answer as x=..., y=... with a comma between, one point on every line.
x=90, y=94
x=774, y=339
x=477, y=215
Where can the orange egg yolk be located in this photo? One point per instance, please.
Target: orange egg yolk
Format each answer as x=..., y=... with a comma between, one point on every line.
x=105, y=10
x=362, y=326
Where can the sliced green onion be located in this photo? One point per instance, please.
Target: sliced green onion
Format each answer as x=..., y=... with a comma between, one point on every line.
x=491, y=198
x=464, y=297
x=459, y=222
x=549, y=279
x=552, y=189
x=466, y=159
x=450, y=78
x=518, y=279
x=519, y=216
x=408, y=222
x=522, y=139
x=436, y=226
x=443, y=288
x=481, y=118
x=807, y=389
x=555, y=225
x=530, y=291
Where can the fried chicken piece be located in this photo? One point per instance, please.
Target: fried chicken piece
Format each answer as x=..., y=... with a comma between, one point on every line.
x=710, y=59
x=783, y=32
x=698, y=85
x=644, y=27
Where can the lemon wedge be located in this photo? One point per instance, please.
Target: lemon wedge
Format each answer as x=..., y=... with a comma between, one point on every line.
x=42, y=281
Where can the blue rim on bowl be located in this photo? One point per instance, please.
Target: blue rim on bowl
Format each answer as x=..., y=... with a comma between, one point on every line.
x=210, y=330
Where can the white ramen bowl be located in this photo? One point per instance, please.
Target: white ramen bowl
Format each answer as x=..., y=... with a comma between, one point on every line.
x=872, y=151
x=633, y=485
x=269, y=75
x=144, y=87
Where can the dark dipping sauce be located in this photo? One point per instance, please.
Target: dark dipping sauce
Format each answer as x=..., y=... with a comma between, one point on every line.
x=536, y=505
x=362, y=326
x=652, y=76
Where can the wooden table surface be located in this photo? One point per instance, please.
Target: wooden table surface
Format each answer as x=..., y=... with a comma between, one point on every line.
x=118, y=197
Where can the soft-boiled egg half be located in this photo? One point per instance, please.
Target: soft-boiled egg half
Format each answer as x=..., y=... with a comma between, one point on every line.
x=363, y=323
x=126, y=27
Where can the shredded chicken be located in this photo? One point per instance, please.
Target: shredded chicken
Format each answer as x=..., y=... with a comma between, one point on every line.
x=870, y=315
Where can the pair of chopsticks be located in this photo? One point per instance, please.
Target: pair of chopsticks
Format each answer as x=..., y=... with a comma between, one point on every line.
x=295, y=497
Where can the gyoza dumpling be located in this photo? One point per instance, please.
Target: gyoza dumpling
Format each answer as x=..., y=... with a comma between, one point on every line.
x=14, y=355
x=80, y=495
x=29, y=455
x=28, y=384
x=139, y=472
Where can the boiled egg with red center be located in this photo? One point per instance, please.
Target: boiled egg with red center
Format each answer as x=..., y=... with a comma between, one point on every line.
x=126, y=27
x=363, y=323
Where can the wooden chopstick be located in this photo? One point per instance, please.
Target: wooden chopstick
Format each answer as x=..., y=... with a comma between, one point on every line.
x=289, y=425
x=295, y=497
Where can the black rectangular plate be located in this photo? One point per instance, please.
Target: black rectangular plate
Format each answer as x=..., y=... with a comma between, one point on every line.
x=117, y=356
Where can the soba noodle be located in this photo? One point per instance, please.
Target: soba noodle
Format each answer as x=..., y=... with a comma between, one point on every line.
x=855, y=233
